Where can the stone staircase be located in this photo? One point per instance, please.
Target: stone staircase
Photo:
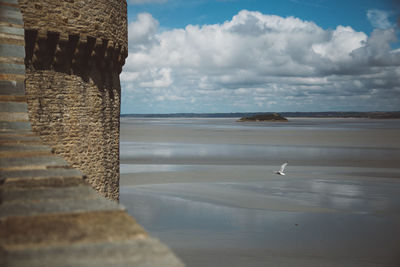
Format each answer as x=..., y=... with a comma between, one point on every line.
x=48, y=215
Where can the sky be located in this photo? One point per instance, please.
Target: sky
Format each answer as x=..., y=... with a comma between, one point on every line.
x=217, y=56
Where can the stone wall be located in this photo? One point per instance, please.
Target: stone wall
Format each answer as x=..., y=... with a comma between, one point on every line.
x=75, y=51
x=97, y=18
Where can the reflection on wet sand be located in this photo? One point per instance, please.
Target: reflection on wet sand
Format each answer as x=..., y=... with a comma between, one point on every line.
x=220, y=203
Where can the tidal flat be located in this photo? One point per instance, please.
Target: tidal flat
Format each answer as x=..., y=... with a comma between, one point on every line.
x=207, y=188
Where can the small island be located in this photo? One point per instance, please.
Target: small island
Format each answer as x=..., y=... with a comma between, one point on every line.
x=275, y=117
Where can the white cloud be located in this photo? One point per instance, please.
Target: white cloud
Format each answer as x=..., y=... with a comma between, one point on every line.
x=377, y=50
x=379, y=19
x=142, y=32
x=158, y=78
x=340, y=44
x=255, y=61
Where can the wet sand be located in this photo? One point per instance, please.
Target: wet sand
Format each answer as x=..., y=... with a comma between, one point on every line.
x=296, y=132
x=207, y=188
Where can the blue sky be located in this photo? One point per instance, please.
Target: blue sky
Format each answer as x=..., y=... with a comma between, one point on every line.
x=252, y=55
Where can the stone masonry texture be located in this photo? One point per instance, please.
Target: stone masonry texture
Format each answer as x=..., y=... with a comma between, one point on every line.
x=104, y=19
x=49, y=215
x=75, y=51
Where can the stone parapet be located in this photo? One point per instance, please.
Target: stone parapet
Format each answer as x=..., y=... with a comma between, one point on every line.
x=72, y=54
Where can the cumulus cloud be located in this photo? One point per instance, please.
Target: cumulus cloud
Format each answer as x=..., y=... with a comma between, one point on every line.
x=259, y=62
x=377, y=50
x=142, y=32
x=340, y=43
x=379, y=19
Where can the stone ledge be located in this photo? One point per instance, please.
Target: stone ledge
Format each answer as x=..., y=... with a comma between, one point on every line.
x=12, y=88
x=13, y=107
x=6, y=126
x=13, y=116
x=17, y=195
x=58, y=206
x=11, y=68
x=12, y=98
x=24, y=232
x=10, y=137
x=14, y=2
x=147, y=252
x=32, y=163
x=23, y=147
x=25, y=153
x=42, y=182
x=12, y=50
x=9, y=9
x=12, y=60
x=10, y=39
x=12, y=77
x=11, y=30
x=40, y=178
x=5, y=22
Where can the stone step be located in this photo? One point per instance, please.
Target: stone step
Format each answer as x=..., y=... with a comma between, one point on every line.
x=5, y=23
x=12, y=77
x=12, y=2
x=67, y=229
x=9, y=68
x=14, y=111
x=13, y=107
x=12, y=88
x=11, y=50
x=11, y=39
x=12, y=30
x=10, y=13
x=60, y=206
x=18, y=138
x=42, y=174
x=16, y=195
x=24, y=150
x=52, y=178
x=12, y=98
x=15, y=125
x=24, y=147
x=14, y=116
x=146, y=252
x=16, y=134
x=31, y=163
x=12, y=60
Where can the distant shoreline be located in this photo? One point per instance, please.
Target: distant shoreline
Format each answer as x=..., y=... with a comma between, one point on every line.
x=333, y=114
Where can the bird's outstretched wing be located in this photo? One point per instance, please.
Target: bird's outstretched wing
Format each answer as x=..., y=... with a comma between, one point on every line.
x=283, y=167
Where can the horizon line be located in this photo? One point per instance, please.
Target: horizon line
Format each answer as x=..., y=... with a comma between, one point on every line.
x=260, y=112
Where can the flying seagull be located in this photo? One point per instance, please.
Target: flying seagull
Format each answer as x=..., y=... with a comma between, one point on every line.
x=280, y=172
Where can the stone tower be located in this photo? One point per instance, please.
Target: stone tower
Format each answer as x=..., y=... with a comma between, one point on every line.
x=75, y=50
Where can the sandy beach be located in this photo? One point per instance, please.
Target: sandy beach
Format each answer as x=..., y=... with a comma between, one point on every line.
x=207, y=188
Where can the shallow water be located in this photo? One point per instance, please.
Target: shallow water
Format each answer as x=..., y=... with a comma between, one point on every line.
x=244, y=154
x=355, y=225
x=207, y=188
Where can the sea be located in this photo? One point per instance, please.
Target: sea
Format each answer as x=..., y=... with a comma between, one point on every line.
x=208, y=189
